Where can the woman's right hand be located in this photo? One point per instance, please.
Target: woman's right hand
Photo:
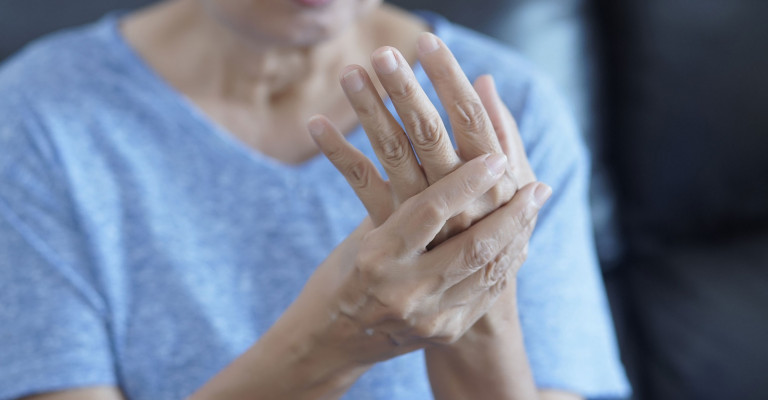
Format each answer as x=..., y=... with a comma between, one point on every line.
x=396, y=296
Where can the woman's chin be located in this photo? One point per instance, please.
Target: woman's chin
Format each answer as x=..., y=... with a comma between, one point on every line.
x=310, y=4
x=302, y=30
x=298, y=34
x=289, y=22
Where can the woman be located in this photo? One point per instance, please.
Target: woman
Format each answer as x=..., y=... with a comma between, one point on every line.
x=170, y=231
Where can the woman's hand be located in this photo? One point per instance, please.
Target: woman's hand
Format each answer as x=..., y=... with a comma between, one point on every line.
x=406, y=297
x=481, y=124
x=480, y=121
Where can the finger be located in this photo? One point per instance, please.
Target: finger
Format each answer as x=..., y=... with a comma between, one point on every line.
x=386, y=136
x=486, y=90
x=359, y=171
x=461, y=316
x=422, y=122
x=472, y=128
x=506, y=129
x=419, y=219
x=505, y=264
x=479, y=245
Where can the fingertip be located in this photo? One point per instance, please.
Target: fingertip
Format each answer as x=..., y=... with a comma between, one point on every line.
x=352, y=78
x=315, y=126
x=427, y=43
x=347, y=69
x=484, y=81
x=496, y=164
x=541, y=194
x=493, y=88
x=318, y=125
x=383, y=49
x=385, y=59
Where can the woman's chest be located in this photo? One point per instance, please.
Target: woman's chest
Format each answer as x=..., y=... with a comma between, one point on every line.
x=203, y=274
x=199, y=250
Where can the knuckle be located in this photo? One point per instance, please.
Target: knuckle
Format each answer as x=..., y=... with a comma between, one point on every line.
x=380, y=246
x=396, y=310
x=451, y=332
x=429, y=329
x=427, y=133
x=504, y=190
x=336, y=154
x=450, y=337
x=520, y=221
x=470, y=114
x=366, y=108
x=453, y=227
x=393, y=150
x=462, y=222
x=429, y=212
x=405, y=91
x=358, y=174
x=471, y=184
x=491, y=273
x=479, y=253
x=500, y=286
x=369, y=266
x=367, y=271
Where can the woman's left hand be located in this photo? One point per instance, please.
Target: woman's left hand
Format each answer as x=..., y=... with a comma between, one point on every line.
x=481, y=124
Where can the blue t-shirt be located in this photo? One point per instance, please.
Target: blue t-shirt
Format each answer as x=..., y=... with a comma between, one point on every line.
x=143, y=246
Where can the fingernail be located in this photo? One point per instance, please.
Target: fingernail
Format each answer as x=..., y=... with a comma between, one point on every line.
x=427, y=43
x=541, y=194
x=385, y=61
x=315, y=127
x=353, y=80
x=496, y=163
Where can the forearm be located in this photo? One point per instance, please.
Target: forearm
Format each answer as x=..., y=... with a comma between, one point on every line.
x=300, y=357
x=488, y=362
x=282, y=371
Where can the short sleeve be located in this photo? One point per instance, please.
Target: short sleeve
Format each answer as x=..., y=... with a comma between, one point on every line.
x=566, y=320
x=53, y=325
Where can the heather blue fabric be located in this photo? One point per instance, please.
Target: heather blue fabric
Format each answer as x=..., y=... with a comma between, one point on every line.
x=143, y=246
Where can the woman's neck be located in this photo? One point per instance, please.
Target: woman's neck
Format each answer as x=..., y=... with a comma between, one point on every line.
x=201, y=56
x=262, y=94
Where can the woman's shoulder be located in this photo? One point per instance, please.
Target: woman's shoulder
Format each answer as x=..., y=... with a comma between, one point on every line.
x=56, y=66
x=465, y=41
x=480, y=54
x=48, y=86
x=520, y=83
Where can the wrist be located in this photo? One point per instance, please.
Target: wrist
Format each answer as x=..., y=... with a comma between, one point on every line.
x=488, y=362
x=314, y=340
x=501, y=322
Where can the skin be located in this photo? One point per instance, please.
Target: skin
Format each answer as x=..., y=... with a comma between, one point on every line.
x=434, y=266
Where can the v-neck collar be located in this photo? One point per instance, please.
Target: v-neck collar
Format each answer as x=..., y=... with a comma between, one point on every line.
x=218, y=133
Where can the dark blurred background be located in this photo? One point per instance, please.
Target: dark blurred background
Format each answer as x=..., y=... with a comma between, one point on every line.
x=672, y=97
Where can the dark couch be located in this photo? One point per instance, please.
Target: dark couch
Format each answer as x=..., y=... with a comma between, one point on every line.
x=686, y=138
x=673, y=98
